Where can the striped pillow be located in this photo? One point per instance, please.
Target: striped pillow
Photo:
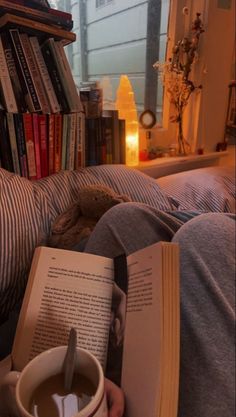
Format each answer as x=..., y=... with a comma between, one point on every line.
x=210, y=189
x=61, y=189
x=24, y=221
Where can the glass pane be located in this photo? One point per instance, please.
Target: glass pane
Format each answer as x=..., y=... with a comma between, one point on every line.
x=113, y=38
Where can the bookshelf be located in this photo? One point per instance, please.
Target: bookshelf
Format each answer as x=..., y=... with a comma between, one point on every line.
x=46, y=123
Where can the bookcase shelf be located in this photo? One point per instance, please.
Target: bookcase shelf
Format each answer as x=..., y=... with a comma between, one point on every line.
x=33, y=27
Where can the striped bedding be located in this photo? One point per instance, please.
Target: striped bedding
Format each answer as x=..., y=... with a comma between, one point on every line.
x=210, y=189
x=27, y=210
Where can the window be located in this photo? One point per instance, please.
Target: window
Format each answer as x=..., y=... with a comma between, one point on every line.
x=125, y=37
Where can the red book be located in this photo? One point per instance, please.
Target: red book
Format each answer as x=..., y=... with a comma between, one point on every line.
x=29, y=142
x=43, y=140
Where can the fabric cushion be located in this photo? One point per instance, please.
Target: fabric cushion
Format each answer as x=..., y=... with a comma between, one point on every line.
x=23, y=224
x=61, y=189
x=210, y=189
x=27, y=210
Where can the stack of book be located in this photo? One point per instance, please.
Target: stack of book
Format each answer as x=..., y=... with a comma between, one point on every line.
x=44, y=127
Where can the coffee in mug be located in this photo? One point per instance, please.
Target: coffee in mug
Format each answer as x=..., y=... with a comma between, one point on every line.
x=39, y=388
x=50, y=399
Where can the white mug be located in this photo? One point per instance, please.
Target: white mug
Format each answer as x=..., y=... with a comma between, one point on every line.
x=40, y=368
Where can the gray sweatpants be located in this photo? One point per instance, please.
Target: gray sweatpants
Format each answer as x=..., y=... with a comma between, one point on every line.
x=207, y=271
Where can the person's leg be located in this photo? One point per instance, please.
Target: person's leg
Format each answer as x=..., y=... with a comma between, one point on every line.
x=207, y=248
x=128, y=227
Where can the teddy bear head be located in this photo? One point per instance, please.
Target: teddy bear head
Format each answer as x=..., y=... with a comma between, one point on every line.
x=94, y=200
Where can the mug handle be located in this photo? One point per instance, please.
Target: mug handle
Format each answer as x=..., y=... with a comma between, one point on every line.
x=8, y=406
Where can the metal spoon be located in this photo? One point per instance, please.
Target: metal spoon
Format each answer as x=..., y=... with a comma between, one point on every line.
x=69, y=361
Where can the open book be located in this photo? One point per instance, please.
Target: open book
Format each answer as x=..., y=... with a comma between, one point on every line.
x=72, y=289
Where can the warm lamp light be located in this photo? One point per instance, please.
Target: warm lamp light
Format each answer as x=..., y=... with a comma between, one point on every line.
x=126, y=107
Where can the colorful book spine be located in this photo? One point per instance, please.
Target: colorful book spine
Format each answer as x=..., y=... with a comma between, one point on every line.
x=51, y=143
x=13, y=144
x=58, y=142
x=52, y=98
x=15, y=36
x=37, y=145
x=65, y=127
x=70, y=152
x=34, y=72
x=80, y=141
x=5, y=83
x=21, y=146
x=29, y=142
x=43, y=140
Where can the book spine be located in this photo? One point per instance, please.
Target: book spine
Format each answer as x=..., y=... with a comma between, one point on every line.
x=107, y=133
x=13, y=144
x=20, y=138
x=29, y=142
x=15, y=36
x=37, y=145
x=115, y=138
x=52, y=98
x=43, y=140
x=5, y=82
x=66, y=76
x=122, y=141
x=18, y=85
x=5, y=149
x=65, y=128
x=51, y=139
x=34, y=72
x=70, y=154
x=92, y=137
x=80, y=141
x=32, y=13
x=58, y=142
x=55, y=77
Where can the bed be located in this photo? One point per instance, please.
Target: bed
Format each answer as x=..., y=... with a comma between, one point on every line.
x=28, y=209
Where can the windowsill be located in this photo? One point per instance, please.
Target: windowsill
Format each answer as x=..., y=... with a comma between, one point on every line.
x=160, y=167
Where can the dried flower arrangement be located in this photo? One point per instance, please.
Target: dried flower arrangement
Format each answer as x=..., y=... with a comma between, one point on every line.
x=175, y=76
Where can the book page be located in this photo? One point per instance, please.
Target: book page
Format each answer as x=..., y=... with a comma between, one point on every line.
x=66, y=289
x=141, y=376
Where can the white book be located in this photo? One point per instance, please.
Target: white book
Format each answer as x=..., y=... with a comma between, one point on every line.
x=35, y=74
x=66, y=77
x=55, y=106
x=5, y=83
x=74, y=289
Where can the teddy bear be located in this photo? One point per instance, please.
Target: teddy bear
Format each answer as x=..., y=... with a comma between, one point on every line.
x=73, y=227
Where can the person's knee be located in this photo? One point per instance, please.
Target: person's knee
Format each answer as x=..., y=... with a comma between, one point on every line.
x=208, y=229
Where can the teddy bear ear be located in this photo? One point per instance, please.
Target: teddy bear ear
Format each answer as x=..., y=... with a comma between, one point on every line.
x=67, y=219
